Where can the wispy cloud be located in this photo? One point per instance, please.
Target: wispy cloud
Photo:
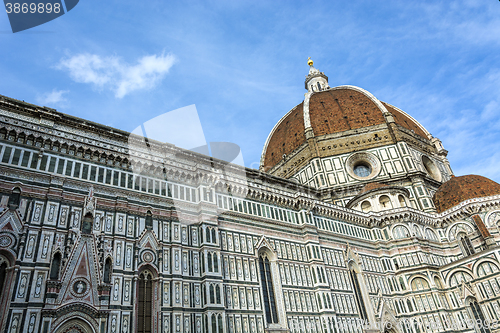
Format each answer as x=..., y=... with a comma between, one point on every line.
x=115, y=74
x=53, y=98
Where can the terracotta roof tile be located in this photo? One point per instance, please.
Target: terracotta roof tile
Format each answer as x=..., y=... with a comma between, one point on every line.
x=459, y=189
x=288, y=136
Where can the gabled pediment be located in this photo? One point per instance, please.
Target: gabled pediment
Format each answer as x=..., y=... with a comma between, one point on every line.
x=264, y=242
x=81, y=276
x=10, y=221
x=467, y=291
x=387, y=315
x=148, y=240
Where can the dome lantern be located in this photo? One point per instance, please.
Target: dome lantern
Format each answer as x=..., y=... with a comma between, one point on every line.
x=315, y=80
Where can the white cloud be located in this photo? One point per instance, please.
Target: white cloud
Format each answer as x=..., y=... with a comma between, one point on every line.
x=115, y=74
x=53, y=98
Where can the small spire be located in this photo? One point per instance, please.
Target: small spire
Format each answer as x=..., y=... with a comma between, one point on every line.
x=309, y=61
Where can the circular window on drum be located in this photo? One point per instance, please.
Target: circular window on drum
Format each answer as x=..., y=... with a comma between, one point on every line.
x=363, y=166
x=362, y=170
x=431, y=168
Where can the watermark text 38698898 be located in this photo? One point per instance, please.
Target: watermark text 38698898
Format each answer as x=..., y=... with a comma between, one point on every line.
x=26, y=14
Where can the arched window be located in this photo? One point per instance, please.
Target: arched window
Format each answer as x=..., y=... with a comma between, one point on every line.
x=202, y=257
x=319, y=86
x=465, y=244
x=417, y=231
x=402, y=305
x=207, y=233
x=457, y=278
x=429, y=234
x=214, y=235
x=486, y=268
x=314, y=275
x=402, y=202
x=217, y=294
x=366, y=206
x=478, y=316
x=107, y=271
x=216, y=263
x=144, y=311
x=385, y=202
x=212, y=294
x=358, y=294
x=55, y=266
x=15, y=198
x=209, y=261
x=149, y=220
x=402, y=283
x=219, y=322
x=87, y=223
x=203, y=294
x=438, y=283
x=214, y=323
x=400, y=232
x=410, y=307
x=268, y=289
x=419, y=284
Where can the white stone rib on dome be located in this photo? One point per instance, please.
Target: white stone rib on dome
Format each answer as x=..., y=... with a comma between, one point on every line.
x=264, y=150
x=429, y=135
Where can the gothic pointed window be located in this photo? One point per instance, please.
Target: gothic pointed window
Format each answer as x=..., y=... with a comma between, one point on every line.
x=212, y=294
x=217, y=294
x=216, y=263
x=466, y=245
x=204, y=294
x=402, y=283
x=219, y=323
x=214, y=236
x=55, y=266
x=145, y=293
x=214, y=323
x=15, y=198
x=410, y=307
x=478, y=316
x=208, y=239
x=268, y=290
x=358, y=294
x=107, y=271
x=149, y=220
x=209, y=262
x=87, y=223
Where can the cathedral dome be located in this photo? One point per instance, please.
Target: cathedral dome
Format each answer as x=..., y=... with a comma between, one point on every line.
x=459, y=189
x=329, y=113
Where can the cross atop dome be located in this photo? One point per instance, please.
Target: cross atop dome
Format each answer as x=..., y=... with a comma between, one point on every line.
x=315, y=80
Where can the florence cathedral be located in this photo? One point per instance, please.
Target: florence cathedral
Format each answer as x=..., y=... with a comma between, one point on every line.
x=354, y=222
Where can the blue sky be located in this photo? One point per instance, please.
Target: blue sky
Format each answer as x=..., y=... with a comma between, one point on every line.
x=243, y=64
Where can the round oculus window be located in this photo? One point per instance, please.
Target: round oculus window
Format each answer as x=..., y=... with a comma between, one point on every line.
x=431, y=168
x=363, y=166
x=362, y=170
